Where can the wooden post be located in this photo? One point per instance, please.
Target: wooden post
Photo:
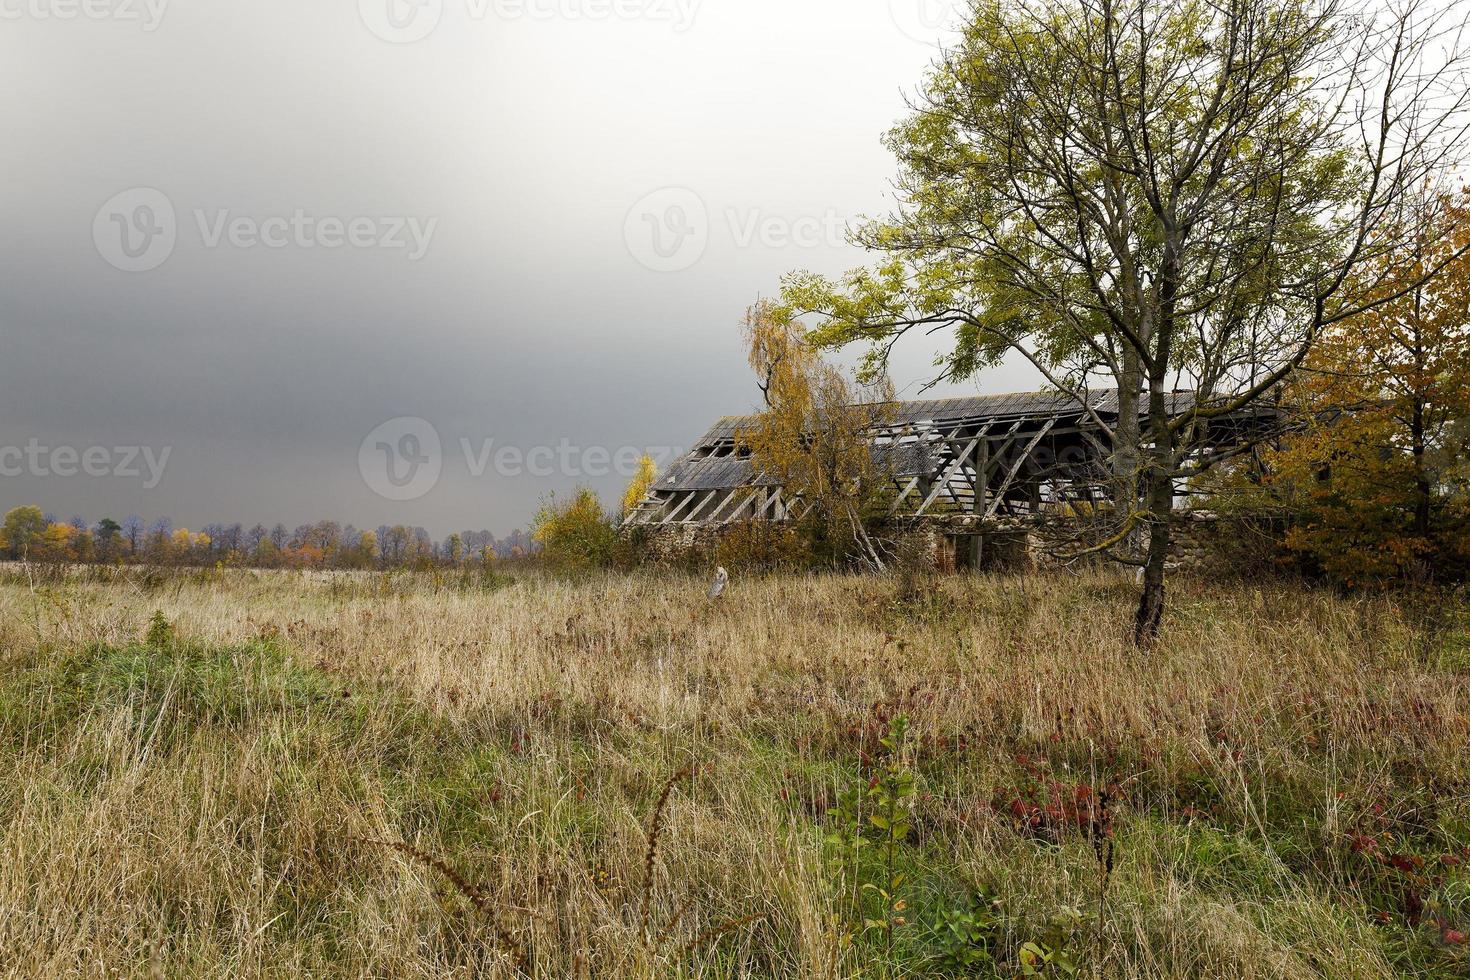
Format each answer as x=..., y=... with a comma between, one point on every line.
x=982, y=485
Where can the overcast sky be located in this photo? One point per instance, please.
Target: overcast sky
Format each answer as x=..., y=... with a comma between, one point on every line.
x=267, y=237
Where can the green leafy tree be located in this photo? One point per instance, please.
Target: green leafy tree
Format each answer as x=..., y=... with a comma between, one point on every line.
x=108, y=532
x=1138, y=197
x=24, y=531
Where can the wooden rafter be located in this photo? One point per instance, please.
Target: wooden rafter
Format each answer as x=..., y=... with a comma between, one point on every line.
x=1000, y=495
x=956, y=464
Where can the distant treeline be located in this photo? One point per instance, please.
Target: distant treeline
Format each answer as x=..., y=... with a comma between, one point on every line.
x=31, y=534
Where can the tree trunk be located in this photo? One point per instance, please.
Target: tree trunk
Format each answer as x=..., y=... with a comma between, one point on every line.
x=1418, y=424
x=1423, y=492
x=1127, y=439
x=1159, y=485
x=1160, y=534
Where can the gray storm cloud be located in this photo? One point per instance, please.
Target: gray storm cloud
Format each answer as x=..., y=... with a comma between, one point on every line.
x=251, y=233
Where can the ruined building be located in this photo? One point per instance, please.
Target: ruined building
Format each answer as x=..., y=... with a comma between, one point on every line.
x=973, y=474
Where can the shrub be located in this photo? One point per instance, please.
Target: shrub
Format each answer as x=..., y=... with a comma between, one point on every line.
x=160, y=631
x=576, y=533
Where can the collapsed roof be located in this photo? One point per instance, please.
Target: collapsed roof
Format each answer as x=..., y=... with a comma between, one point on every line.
x=983, y=455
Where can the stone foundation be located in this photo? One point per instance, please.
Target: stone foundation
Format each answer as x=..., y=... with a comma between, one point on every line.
x=1203, y=542
x=672, y=544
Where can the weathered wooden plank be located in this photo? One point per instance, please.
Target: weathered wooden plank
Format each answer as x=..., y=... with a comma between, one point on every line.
x=1016, y=467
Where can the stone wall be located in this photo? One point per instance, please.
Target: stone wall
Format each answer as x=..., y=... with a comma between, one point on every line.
x=1203, y=542
x=1206, y=542
x=673, y=544
x=932, y=539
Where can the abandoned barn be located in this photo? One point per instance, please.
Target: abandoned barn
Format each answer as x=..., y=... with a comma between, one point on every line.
x=968, y=469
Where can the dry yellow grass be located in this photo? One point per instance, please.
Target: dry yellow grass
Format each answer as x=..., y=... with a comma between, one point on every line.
x=202, y=809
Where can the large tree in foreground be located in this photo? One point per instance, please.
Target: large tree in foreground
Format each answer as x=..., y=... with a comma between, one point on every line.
x=1143, y=196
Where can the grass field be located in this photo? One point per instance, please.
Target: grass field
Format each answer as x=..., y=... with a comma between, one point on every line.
x=259, y=781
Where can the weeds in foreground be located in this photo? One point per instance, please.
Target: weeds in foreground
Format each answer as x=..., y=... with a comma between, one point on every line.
x=1100, y=831
x=970, y=938
x=972, y=941
x=1295, y=803
x=474, y=894
x=871, y=824
x=160, y=634
x=878, y=814
x=657, y=943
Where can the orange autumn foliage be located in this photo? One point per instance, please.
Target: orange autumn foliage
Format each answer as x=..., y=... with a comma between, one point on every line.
x=1378, y=477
